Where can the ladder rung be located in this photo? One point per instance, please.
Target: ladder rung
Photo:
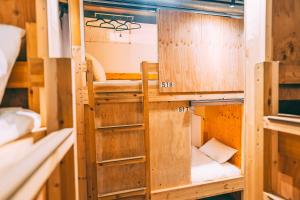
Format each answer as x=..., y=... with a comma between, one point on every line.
x=122, y=161
x=123, y=194
x=125, y=126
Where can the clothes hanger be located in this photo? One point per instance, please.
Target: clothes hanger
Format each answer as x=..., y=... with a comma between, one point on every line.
x=115, y=22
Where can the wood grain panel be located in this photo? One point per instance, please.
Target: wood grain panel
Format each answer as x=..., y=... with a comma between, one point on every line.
x=119, y=144
x=122, y=177
x=200, y=53
x=285, y=30
x=224, y=123
x=17, y=12
x=289, y=177
x=118, y=114
x=170, y=145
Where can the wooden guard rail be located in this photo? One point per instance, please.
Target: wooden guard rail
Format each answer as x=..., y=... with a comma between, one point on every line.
x=24, y=179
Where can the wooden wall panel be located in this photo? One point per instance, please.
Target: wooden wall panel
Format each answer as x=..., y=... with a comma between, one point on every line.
x=119, y=144
x=285, y=30
x=17, y=12
x=170, y=145
x=118, y=114
x=225, y=124
x=200, y=53
x=120, y=177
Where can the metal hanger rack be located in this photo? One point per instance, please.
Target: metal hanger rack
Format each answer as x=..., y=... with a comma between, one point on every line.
x=115, y=22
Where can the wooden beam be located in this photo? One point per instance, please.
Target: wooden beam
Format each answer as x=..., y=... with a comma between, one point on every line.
x=196, y=191
x=128, y=76
x=256, y=29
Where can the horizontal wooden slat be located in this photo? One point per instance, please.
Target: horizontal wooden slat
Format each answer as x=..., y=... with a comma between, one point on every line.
x=129, y=76
x=25, y=178
x=283, y=124
x=201, y=190
x=289, y=73
x=123, y=194
x=269, y=196
x=122, y=161
x=19, y=76
x=121, y=126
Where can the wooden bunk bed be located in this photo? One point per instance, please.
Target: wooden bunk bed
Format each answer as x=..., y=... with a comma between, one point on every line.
x=30, y=159
x=141, y=113
x=278, y=131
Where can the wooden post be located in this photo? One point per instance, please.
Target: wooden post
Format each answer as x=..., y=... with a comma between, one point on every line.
x=78, y=85
x=145, y=80
x=266, y=103
x=256, y=24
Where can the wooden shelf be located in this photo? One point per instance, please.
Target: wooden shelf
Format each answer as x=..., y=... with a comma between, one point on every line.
x=122, y=161
x=270, y=196
x=286, y=124
x=123, y=194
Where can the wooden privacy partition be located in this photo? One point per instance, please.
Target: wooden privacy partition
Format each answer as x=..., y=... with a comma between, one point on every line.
x=200, y=53
x=170, y=145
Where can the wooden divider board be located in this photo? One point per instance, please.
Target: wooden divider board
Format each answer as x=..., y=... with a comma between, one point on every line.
x=224, y=122
x=200, y=53
x=170, y=145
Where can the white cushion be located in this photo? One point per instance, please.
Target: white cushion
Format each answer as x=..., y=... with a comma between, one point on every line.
x=99, y=73
x=217, y=150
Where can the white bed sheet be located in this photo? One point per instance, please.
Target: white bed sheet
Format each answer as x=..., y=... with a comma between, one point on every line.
x=205, y=169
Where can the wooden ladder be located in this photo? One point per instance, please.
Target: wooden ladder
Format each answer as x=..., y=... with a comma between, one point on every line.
x=91, y=155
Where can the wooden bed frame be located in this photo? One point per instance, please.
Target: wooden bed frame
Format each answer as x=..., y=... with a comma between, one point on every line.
x=278, y=132
x=147, y=93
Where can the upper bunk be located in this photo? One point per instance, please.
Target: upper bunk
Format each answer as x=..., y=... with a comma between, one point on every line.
x=186, y=67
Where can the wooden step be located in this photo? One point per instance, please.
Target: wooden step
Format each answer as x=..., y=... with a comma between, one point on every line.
x=123, y=194
x=122, y=127
x=122, y=161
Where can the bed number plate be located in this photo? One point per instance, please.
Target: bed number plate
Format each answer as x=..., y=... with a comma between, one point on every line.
x=166, y=84
x=183, y=109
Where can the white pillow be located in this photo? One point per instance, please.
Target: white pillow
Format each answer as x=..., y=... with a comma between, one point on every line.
x=218, y=151
x=99, y=73
x=10, y=42
x=3, y=64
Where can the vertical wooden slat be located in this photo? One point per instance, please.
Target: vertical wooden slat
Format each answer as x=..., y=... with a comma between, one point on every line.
x=255, y=52
x=89, y=113
x=271, y=89
x=78, y=84
x=146, y=125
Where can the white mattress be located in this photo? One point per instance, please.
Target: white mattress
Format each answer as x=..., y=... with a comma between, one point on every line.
x=15, y=122
x=206, y=169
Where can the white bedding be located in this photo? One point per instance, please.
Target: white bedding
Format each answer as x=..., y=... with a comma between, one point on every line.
x=207, y=169
x=15, y=122
x=10, y=44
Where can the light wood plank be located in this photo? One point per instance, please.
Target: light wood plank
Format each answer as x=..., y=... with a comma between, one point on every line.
x=195, y=191
x=188, y=46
